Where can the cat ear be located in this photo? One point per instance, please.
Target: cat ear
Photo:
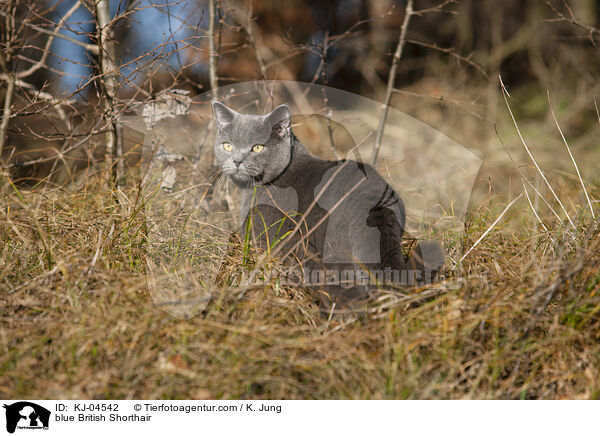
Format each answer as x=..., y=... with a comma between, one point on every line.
x=280, y=119
x=223, y=114
x=280, y=115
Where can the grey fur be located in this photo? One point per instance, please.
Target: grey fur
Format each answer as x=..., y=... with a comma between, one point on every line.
x=356, y=219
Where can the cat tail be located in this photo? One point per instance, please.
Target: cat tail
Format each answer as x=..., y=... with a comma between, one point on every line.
x=425, y=262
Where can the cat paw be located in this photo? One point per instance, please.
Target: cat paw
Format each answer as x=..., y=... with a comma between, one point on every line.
x=432, y=254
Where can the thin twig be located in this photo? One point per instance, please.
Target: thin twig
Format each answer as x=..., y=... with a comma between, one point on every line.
x=451, y=52
x=437, y=8
x=573, y=20
x=57, y=155
x=89, y=47
x=56, y=33
x=57, y=103
x=42, y=61
x=324, y=52
x=445, y=99
x=255, y=42
x=212, y=62
x=250, y=31
x=391, y=79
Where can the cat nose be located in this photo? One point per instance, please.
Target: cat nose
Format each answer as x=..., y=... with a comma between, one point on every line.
x=238, y=160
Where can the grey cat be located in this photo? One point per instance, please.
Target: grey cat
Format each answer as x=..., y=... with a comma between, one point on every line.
x=340, y=221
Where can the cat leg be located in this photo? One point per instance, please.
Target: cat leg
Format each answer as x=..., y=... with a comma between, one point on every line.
x=420, y=268
x=425, y=262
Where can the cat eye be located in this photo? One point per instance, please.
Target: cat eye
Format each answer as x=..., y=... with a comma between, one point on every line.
x=227, y=146
x=258, y=148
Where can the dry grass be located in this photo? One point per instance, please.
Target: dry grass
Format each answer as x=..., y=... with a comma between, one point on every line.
x=523, y=323
x=518, y=318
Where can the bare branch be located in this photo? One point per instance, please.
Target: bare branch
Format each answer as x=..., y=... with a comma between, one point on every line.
x=89, y=47
x=561, y=17
x=6, y=114
x=57, y=103
x=252, y=38
x=391, y=79
x=212, y=55
x=437, y=8
x=444, y=99
x=108, y=81
x=57, y=155
x=451, y=52
x=42, y=61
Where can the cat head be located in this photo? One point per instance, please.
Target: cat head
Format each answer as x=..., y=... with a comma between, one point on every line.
x=252, y=149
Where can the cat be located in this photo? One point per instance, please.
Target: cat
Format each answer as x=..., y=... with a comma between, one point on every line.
x=340, y=221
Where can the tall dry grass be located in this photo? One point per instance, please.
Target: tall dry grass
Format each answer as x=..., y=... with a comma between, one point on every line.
x=77, y=320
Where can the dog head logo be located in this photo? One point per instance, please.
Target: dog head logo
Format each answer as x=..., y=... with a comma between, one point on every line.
x=26, y=415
